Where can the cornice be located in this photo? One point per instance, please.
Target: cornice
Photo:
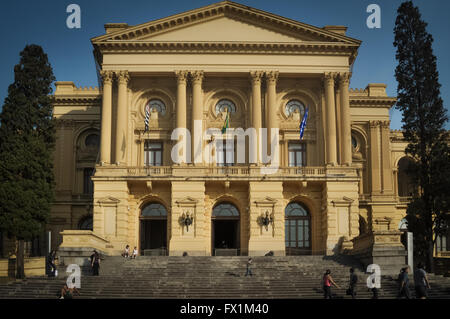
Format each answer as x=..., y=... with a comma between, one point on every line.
x=77, y=100
x=376, y=102
x=140, y=47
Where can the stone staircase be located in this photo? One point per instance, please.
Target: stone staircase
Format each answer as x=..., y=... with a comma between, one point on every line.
x=214, y=277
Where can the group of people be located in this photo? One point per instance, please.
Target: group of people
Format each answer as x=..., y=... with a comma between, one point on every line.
x=420, y=281
x=126, y=253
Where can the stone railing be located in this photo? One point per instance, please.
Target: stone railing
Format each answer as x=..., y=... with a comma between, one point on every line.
x=208, y=172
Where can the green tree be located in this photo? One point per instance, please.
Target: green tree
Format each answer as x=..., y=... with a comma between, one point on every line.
x=424, y=117
x=27, y=139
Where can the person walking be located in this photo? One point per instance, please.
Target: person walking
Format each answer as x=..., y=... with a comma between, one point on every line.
x=404, y=283
x=421, y=282
x=327, y=282
x=249, y=267
x=51, y=263
x=95, y=263
x=351, y=291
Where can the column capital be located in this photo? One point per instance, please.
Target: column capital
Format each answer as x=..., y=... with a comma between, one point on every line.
x=385, y=124
x=107, y=76
x=256, y=76
x=181, y=76
x=272, y=76
x=197, y=76
x=329, y=77
x=123, y=76
x=344, y=77
x=374, y=124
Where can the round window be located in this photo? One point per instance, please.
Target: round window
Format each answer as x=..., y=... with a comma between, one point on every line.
x=293, y=105
x=92, y=140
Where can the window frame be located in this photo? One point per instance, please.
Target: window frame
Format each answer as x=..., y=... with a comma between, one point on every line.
x=302, y=151
x=148, y=151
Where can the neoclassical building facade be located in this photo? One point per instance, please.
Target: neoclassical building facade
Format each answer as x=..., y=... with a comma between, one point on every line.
x=335, y=190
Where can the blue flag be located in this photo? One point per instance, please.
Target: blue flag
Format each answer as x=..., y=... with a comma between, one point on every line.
x=303, y=123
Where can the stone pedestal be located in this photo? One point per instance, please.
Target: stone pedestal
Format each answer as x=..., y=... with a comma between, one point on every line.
x=383, y=248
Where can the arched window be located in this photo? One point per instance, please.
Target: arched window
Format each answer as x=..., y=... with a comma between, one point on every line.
x=86, y=223
x=293, y=105
x=154, y=210
x=158, y=105
x=225, y=210
x=405, y=182
x=297, y=229
x=225, y=104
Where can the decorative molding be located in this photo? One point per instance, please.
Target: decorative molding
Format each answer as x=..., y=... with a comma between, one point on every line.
x=187, y=202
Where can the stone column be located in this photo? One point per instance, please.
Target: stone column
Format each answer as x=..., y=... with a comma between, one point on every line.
x=121, y=120
x=331, y=118
x=181, y=98
x=272, y=122
x=375, y=156
x=386, y=158
x=346, y=139
x=256, y=77
x=105, y=144
x=197, y=115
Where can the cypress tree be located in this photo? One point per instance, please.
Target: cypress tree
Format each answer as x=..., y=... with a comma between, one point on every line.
x=27, y=138
x=424, y=117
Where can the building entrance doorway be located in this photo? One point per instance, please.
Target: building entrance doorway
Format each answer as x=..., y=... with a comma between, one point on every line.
x=153, y=232
x=225, y=230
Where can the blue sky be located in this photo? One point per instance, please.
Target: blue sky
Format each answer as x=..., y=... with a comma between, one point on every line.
x=70, y=51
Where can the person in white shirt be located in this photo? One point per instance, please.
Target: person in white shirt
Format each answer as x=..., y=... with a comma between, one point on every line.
x=134, y=253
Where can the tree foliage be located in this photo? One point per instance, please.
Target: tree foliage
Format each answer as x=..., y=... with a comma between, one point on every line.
x=424, y=117
x=27, y=138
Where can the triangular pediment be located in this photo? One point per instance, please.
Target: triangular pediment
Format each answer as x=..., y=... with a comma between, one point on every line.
x=223, y=22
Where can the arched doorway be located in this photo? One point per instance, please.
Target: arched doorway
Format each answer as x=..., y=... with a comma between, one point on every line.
x=297, y=229
x=225, y=229
x=153, y=229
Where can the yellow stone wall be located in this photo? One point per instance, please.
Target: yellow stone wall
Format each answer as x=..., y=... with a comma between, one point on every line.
x=341, y=186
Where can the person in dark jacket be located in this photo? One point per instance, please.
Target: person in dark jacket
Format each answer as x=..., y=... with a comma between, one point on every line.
x=404, y=284
x=51, y=263
x=95, y=263
x=352, y=283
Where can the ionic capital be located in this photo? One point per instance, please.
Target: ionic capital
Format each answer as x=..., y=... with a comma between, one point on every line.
x=123, y=77
x=197, y=76
x=256, y=77
x=181, y=76
x=107, y=76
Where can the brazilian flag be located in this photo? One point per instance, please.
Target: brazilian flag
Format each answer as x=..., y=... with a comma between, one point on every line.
x=226, y=124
